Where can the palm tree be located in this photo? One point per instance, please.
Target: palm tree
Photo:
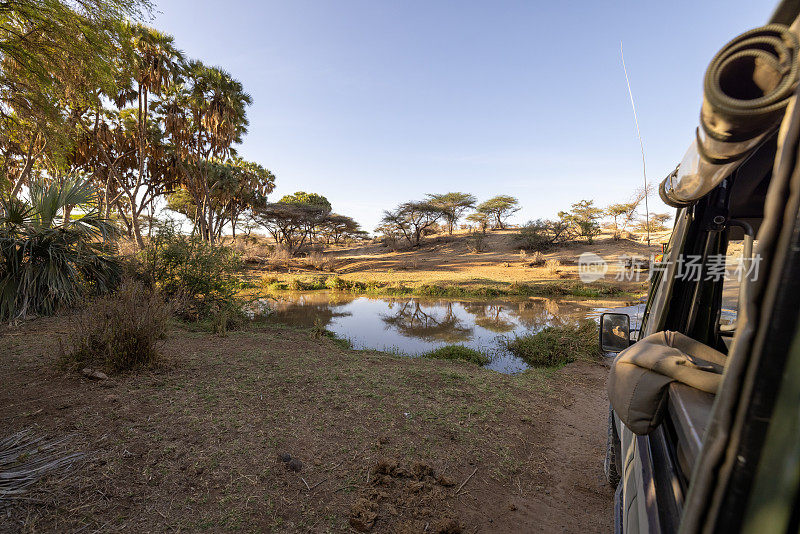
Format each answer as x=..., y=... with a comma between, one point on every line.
x=154, y=64
x=204, y=121
x=50, y=257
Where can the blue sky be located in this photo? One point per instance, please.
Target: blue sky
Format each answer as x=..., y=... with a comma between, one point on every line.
x=373, y=102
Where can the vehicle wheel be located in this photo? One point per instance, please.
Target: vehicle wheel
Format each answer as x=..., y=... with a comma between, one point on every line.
x=610, y=466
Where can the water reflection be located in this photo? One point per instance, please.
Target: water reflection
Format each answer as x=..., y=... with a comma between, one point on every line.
x=437, y=322
x=414, y=326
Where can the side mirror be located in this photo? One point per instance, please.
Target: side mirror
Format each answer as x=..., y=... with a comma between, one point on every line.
x=615, y=332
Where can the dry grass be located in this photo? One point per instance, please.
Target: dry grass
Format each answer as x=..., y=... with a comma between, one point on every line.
x=118, y=332
x=193, y=447
x=552, y=266
x=451, y=261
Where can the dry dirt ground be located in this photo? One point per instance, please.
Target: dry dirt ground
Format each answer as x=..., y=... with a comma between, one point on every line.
x=452, y=260
x=384, y=443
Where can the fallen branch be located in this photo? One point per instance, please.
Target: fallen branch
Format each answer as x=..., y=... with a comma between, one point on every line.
x=467, y=480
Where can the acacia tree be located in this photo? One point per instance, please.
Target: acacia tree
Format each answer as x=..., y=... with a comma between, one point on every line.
x=316, y=207
x=624, y=213
x=480, y=219
x=583, y=217
x=413, y=219
x=336, y=227
x=292, y=219
x=619, y=212
x=498, y=209
x=658, y=222
x=453, y=206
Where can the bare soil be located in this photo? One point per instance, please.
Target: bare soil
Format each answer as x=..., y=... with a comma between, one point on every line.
x=379, y=443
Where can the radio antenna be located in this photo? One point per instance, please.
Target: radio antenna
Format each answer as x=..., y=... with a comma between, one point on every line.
x=641, y=144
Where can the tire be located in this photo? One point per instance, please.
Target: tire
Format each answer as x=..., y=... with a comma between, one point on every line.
x=612, y=461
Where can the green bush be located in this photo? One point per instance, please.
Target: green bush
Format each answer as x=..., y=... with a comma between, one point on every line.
x=200, y=276
x=458, y=352
x=558, y=345
x=337, y=284
x=541, y=235
x=120, y=331
x=50, y=259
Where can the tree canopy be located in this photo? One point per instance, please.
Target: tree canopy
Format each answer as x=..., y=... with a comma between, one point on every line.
x=498, y=209
x=453, y=206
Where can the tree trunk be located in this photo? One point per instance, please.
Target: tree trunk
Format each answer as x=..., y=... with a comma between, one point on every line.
x=137, y=231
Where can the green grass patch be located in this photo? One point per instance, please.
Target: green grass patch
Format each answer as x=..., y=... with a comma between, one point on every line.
x=558, y=345
x=318, y=331
x=458, y=352
x=566, y=288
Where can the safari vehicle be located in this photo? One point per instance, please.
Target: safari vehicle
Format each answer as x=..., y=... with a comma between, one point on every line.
x=704, y=426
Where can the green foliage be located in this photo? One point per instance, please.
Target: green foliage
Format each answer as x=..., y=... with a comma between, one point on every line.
x=558, y=345
x=621, y=214
x=303, y=198
x=336, y=283
x=294, y=219
x=412, y=220
x=458, y=352
x=541, y=235
x=454, y=205
x=49, y=256
x=498, y=209
x=120, y=331
x=583, y=218
x=200, y=275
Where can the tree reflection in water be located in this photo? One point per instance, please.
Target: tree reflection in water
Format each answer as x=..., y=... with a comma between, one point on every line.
x=438, y=323
x=493, y=317
x=308, y=311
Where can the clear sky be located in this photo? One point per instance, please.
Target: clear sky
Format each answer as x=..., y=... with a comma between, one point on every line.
x=374, y=102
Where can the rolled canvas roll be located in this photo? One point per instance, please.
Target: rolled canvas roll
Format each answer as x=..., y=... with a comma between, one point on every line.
x=746, y=90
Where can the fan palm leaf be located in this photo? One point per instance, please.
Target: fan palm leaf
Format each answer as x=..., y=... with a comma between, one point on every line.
x=49, y=259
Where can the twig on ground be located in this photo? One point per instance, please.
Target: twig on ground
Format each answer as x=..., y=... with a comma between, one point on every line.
x=467, y=480
x=306, y=483
x=317, y=484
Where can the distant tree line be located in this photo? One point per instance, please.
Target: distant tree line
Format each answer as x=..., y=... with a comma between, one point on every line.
x=304, y=219
x=583, y=222
x=411, y=221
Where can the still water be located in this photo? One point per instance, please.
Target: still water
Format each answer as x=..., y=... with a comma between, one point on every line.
x=416, y=325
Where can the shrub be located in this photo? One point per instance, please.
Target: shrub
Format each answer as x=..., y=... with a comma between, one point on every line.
x=541, y=235
x=552, y=266
x=120, y=331
x=201, y=276
x=279, y=255
x=477, y=242
x=49, y=259
x=316, y=260
x=557, y=345
x=536, y=259
x=336, y=283
x=458, y=352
